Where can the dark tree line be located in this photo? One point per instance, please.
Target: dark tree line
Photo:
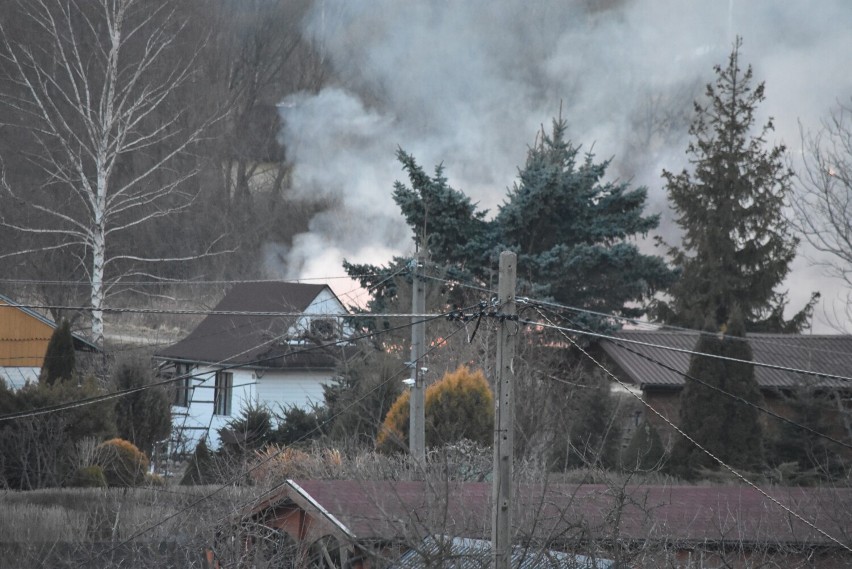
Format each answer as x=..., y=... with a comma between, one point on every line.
x=140, y=141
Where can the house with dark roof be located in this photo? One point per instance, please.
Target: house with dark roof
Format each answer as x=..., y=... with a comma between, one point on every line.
x=654, y=363
x=265, y=343
x=24, y=335
x=363, y=524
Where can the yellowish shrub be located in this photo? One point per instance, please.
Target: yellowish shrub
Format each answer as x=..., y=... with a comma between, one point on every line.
x=458, y=406
x=123, y=464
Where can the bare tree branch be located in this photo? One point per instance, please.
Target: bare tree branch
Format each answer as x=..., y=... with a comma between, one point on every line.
x=94, y=95
x=823, y=198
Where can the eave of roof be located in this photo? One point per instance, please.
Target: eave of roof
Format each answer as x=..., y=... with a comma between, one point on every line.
x=248, y=340
x=82, y=343
x=821, y=354
x=722, y=515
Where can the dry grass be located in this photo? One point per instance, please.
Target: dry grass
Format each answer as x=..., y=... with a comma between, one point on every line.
x=89, y=514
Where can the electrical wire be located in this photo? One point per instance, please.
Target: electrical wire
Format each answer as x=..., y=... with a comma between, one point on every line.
x=117, y=310
x=685, y=351
x=443, y=341
x=775, y=342
x=698, y=445
x=732, y=396
x=181, y=281
x=121, y=393
x=738, y=398
x=242, y=474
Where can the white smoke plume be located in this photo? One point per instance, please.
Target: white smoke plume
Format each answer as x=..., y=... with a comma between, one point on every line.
x=468, y=83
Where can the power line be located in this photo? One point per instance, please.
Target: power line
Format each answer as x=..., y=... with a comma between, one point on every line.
x=775, y=343
x=281, y=314
x=699, y=446
x=121, y=393
x=182, y=281
x=278, y=314
x=241, y=475
x=685, y=351
x=730, y=395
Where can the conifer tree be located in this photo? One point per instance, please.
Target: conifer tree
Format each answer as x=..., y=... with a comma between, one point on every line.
x=570, y=228
x=59, y=358
x=719, y=423
x=737, y=245
x=201, y=467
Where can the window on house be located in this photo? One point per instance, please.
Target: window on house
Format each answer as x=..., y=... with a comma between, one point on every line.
x=223, y=393
x=182, y=385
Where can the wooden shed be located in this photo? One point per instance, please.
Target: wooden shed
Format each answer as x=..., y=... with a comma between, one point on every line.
x=24, y=335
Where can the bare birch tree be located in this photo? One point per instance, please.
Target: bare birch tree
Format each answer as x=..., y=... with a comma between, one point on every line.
x=92, y=87
x=823, y=197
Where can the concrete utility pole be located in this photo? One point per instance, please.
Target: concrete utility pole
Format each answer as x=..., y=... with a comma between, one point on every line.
x=417, y=409
x=504, y=417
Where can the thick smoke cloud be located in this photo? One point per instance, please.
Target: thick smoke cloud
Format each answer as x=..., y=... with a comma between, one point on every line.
x=469, y=83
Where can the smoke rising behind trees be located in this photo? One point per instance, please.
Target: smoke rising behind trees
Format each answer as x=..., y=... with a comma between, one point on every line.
x=470, y=83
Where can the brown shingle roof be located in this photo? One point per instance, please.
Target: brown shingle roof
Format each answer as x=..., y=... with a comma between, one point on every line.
x=248, y=339
x=385, y=510
x=818, y=353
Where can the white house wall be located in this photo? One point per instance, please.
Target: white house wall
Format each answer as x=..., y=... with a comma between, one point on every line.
x=297, y=388
x=324, y=303
x=275, y=389
x=197, y=420
x=17, y=377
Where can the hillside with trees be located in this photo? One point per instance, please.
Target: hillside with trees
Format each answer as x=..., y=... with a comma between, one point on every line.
x=144, y=170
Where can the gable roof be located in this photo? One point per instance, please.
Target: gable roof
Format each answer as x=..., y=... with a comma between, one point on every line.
x=824, y=354
x=80, y=343
x=235, y=339
x=394, y=510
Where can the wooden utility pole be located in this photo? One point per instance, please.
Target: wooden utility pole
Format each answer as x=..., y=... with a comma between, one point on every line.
x=417, y=410
x=504, y=417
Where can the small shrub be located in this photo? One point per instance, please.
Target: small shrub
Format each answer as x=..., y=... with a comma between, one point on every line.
x=393, y=435
x=154, y=480
x=275, y=463
x=200, y=469
x=459, y=406
x=123, y=464
x=89, y=477
x=298, y=427
x=251, y=430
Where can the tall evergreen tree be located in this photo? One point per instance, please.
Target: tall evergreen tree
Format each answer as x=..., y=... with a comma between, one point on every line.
x=737, y=246
x=719, y=423
x=59, y=358
x=570, y=228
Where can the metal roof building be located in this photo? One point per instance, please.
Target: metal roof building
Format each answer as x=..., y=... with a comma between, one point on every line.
x=640, y=353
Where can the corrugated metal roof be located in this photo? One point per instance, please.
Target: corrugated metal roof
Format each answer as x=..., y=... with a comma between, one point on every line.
x=80, y=343
x=245, y=339
x=466, y=553
x=821, y=354
x=410, y=511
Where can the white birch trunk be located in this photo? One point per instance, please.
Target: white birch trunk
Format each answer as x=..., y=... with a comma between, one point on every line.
x=99, y=74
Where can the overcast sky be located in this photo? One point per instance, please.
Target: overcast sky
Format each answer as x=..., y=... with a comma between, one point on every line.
x=468, y=83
